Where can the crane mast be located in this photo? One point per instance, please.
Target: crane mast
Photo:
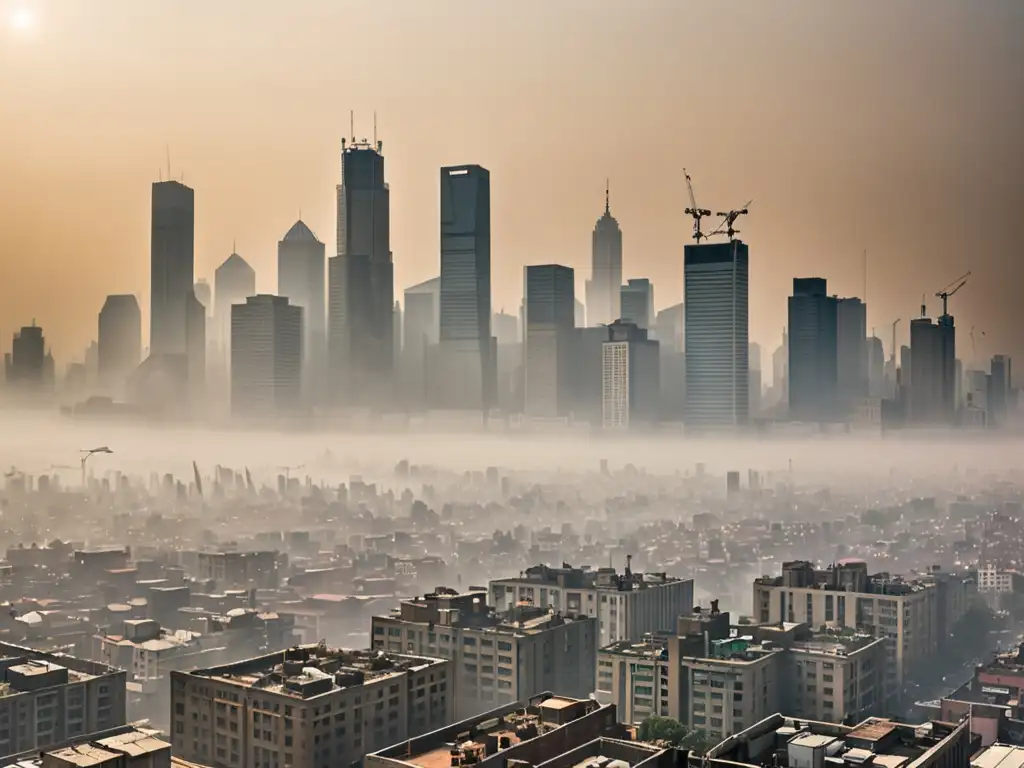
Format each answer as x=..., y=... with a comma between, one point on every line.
x=950, y=290
x=694, y=211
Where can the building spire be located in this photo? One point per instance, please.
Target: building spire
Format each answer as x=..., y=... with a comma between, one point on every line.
x=607, y=206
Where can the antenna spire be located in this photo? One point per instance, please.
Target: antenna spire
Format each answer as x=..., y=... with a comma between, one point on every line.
x=352, y=124
x=375, y=127
x=607, y=191
x=234, y=246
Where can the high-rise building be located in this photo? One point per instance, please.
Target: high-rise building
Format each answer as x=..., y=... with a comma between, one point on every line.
x=172, y=265
x=550, y=326
x=266, y=356
x=755, y=387
x=812, y=351
x=500, y=656
x=361, y=283
x=119, y=349
x=195, y=347
x=932, y=371
x=670, y=325
x=851, y=353
x=313, y=705
x=301, y=276
x=628, y=605
x=630, y=378
x=670, y=329
x=717, y=343
x=26, y=363
x=466, y=375
x=579, y=314
x=421, y=332
x=603, y=305
x=636, y=303
x=1000, y=385
x=875, y=352
x=233, y=282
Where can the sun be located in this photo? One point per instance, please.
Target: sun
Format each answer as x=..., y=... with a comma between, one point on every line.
x=22, y=19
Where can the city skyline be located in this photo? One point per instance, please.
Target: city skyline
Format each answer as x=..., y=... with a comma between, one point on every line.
x=875, y=174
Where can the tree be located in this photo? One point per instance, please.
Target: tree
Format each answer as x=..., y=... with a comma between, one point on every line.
x=674, y=733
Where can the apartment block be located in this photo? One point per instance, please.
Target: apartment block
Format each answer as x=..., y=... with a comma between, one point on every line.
x=911, y=614
x=308, y=705
x=634, y=677
x=47, y=699
x=626, y=606
x=521, y=733
x=497, y=658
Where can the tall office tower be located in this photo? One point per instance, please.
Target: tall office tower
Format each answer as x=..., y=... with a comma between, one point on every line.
x=780, y=376
x=716, y=305
x=361, y=303
x=579, y=313
x=26, y=363
x=875, y=353
x=420, y=332
x=119, y=350
x=932, y=371
x=636, y=303
x=266, y=356
x=301, y=276
x=905, y=357
x=605, y=280
x=466, y=378
x=204, y=293
x=195, y=346
x=812, y=351
x=550, y=323
x=172, y=265
x=509, y=344
x=505, y=328
x=670, y=326
x=233, y=282
x=754, y=364
x=1000, y=384
x=851, y=353
x=630, y=378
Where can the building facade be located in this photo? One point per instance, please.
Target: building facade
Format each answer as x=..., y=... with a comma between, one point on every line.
x=630, y=378
x=717, y=343
x=301, y=276
x=266, y=357
x=309, y=705
x=813, y=351
x=550, y=324
x=119, y=346
x=233, y=283
x=172, y=266
x=636, y=300
x=933, y=371
x=464, y=378
x=603, y=300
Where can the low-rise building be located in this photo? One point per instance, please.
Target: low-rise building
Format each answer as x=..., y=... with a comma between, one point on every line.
x=308, y=705
x=497, y=658
x=519, y=733
x=634, y=677
x=48, y=698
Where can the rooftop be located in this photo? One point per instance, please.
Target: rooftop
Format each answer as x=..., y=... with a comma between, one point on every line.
x=569, y=577
x=999, y=756
x=305, y=672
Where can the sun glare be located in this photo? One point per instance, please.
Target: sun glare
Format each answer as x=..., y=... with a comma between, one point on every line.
x=22, y=19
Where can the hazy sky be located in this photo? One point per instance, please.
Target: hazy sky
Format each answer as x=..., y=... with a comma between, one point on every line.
x=890, y=125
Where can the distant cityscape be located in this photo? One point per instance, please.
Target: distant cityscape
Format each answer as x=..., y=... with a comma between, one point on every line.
x=334, y=347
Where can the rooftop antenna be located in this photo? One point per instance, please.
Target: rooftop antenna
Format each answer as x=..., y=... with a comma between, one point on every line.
x=924, y=309
x=375, y=127
x=352, y=124
x=607, y=197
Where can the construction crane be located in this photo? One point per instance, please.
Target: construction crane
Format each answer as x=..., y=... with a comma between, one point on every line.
x=694, y=211
x=949, y=290
x=728, y=219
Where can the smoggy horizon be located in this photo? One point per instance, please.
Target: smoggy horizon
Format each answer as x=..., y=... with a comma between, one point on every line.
x=851, y=127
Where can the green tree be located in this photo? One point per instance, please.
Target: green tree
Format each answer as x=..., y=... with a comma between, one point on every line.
x=672, y=732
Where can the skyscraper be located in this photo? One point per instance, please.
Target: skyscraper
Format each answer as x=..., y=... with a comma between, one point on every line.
x=172, y=264
x=421, y=322
x=301, y=275
x=26, y=366
x=851, y=353
x=932, y=371
x=606, y=269
x=1000, y=384
x=119, y=349
x=812, y=351
x=636, y=303
x=550, y=322
x=467, y=348
x=716, y=305
x=361, y=283
x=233, y=282
x=630, y=378
x=266, y=356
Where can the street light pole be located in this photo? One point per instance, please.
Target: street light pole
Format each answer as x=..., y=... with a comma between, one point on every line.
x=86, y=453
